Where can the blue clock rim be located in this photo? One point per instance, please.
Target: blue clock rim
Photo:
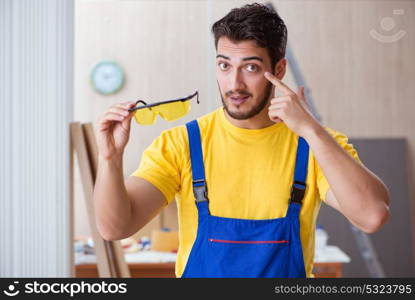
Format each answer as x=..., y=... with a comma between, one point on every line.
x=117, y=66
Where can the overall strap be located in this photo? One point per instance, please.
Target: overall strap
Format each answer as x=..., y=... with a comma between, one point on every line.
x=196, y=160
x=300, y=172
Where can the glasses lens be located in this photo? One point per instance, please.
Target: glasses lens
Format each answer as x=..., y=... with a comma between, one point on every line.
x=173, y=110
x=145, y=116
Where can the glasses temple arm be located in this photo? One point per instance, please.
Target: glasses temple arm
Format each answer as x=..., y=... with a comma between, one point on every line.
x=135, y=107
x=140, y=101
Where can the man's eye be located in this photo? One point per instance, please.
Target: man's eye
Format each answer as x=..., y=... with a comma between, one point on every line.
x=223, y=65
x=251, y=68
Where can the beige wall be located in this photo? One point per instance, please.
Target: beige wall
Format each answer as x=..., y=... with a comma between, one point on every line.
x=361, y=86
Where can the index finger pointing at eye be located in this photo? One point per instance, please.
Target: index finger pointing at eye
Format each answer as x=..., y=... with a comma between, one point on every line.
x=278, y=83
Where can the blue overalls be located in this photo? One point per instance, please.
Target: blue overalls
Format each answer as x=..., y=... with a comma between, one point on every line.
x=227, y=247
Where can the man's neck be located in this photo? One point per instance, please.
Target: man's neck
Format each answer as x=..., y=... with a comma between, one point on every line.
x=258, y=121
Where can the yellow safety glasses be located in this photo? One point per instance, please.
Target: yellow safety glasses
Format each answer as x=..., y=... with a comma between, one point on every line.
x=169, y=110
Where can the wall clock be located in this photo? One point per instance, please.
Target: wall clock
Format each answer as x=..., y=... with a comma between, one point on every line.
x=107, y=77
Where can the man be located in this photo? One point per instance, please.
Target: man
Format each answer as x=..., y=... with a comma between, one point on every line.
x=249, y=176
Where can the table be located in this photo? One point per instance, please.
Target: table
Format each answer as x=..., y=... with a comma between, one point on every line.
x=152, y=264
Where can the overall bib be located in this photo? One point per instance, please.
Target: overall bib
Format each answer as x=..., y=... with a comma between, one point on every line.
x=228, y=247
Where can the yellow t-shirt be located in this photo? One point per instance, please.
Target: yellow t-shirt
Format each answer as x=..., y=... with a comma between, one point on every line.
x=249, y=173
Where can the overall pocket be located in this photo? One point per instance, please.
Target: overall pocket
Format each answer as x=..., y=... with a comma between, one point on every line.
x=248, y=258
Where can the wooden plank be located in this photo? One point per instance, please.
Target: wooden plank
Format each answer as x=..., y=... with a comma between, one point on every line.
x=92, y=151
x=114, y=249
x=79, y=145
x=122, y=267
x=92, y=147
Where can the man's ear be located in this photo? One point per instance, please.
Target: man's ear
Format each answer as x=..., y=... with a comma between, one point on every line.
x=280, y=68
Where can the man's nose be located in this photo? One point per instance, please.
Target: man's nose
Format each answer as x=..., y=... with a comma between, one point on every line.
x=237, y=81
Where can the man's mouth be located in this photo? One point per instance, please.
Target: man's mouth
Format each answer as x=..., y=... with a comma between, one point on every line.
x=238, y=100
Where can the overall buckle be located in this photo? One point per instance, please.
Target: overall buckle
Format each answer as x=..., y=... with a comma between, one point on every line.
x=297, y=193
x=200, y=192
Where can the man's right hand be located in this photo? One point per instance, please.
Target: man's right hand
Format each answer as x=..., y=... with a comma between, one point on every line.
x=113, y=130
x=122, y=207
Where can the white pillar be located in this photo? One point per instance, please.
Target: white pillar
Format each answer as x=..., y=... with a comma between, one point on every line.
x=36, y=88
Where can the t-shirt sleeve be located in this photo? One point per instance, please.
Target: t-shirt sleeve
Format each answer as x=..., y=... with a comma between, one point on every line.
x=322, y=183
x=159, y=165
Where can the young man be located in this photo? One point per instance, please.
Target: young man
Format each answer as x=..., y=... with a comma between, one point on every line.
x=248, y=177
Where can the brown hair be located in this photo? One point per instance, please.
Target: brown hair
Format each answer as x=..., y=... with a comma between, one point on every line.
x=254, y=22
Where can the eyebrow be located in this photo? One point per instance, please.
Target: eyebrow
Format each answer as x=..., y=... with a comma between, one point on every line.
x=244, y=59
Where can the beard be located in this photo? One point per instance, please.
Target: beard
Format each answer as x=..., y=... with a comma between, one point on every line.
x=254, y=110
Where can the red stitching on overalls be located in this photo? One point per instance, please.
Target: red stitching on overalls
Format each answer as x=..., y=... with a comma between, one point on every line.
x=248, y=242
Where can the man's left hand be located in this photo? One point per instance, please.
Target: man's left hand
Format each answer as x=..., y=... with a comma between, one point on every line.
x=291, y=108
